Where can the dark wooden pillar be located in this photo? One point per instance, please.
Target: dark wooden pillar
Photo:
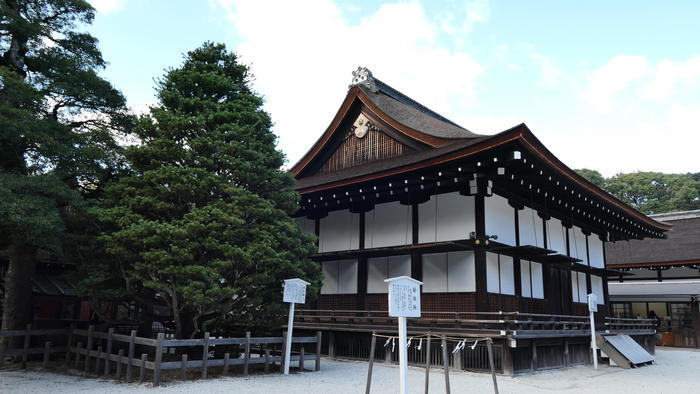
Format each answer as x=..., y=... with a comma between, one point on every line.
x=416, y=258
x=482, y=301
x=361, y=268
x=589, y=286
x=516, y=260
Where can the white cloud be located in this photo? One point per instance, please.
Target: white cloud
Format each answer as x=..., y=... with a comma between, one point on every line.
x=551, y=75
x=303, y=53
x=614, y=77
x=671, y=77
x=107, y=6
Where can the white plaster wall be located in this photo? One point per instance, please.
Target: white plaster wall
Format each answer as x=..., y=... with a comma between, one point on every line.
x=597, y=287
x=388, y=224
x=500, y=219
x=492, y=274
x=582, y=290
x=347, y=276
x=578, y=245
x=537, y=280
x=381, y=268
x=306, y=225
x=376, y=273
x=339, y=277
x=556, y=236
x=530, y=227
x=525, y=289
x=340, y=230
x=330, y=277
x=507, y=275
x=595, y=249
x=435, y=273
x=574, y=286
x=446, y=217
x=461, y=276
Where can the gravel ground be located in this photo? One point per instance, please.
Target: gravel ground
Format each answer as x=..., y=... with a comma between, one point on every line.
x=676, y=371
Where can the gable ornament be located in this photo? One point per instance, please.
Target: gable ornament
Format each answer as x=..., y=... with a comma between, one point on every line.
x=362, y=76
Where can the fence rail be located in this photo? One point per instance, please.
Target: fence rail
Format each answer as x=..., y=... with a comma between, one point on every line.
x=97, y=355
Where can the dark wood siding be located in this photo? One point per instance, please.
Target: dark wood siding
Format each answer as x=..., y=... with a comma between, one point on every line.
x=375, y=145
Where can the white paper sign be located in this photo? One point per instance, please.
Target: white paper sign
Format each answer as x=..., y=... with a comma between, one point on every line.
x=404, y=297
x=295, y=291
x=592, y=303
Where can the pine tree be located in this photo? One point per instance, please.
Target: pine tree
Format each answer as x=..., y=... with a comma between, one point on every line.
x=57, y=120
x=204, y=222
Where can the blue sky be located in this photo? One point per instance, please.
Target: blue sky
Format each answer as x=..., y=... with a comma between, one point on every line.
x=611, y=86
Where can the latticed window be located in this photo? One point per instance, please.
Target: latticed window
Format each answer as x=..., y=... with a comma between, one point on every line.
x=355, y=151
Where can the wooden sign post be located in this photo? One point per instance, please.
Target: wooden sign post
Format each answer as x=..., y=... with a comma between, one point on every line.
x=294, y=293
x=404, y=301
x=593, y=307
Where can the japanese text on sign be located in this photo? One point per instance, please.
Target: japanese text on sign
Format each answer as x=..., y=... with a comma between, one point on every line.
x=294, y=292
x=404, y=300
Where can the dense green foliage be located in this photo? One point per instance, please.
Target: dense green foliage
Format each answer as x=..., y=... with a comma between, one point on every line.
x=651, y=192
x=204, y=220
x=57, y=119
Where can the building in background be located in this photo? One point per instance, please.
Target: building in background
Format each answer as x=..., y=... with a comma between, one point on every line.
x=661, y=277
x=507, y=240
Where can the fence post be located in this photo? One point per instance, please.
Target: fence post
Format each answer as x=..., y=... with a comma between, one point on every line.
x=226, y=360
x=267, y=360
x=372, y=347
x=205, y=355
x=88, y=347
x=246, y=355
x=27, y=338
x=70, y=343
x=77, y=354
x=493, y=365
x=446, y=364
x=130, y=359
x=183, y=367
x=3, y=346
x=301, y=358
x=47, y=353
x=97, y=360
x=284, y=350
x=427, y=364
x=119, y=363
x=318, y=351
x=108, y=352
x=331, y=345
x=142, y=372
x=158, y=359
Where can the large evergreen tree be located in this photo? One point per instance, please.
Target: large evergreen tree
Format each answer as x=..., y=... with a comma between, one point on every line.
x=204, y=222
x=57, y=117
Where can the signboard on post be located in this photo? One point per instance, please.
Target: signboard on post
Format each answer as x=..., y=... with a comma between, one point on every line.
x=294, y=293
x=593, y=307
x=404, y=301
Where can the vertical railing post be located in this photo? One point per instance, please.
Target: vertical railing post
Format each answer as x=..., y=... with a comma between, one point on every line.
x=119, y=363
x=183, y=367
x=227, y=358
x=158, y=358
x=493, y=365
x=108, y=352
x=142, y=372
x=427, y=364
x=372, y=348
x=25, y=352
x=88, y=348
x=301, y=358
x=130, y=355
x=205, y=355
x=246, y=354
x=77, y=354
x=267, y=361
x=97, y=359
x=318, y=351
x=47, y=354
x=69, y=343
x=446, y=364
x=284, y=350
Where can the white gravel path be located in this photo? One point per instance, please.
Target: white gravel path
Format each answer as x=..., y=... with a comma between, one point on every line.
x=676, y=371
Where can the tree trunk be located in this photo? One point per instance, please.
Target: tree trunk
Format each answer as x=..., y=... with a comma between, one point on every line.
x=18, y=306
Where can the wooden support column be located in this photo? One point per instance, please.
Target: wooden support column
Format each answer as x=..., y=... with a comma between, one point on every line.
x=517, y=276
x=606, y=295
x=589, y=286
x=362, y=269
x=482, y=301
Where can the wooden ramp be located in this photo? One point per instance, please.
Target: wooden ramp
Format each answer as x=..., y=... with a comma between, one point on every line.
x=623, y=351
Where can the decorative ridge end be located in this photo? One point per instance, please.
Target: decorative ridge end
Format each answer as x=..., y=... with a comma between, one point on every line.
x=362, y=76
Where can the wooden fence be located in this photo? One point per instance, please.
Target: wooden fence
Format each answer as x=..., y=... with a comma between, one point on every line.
x=95, y=352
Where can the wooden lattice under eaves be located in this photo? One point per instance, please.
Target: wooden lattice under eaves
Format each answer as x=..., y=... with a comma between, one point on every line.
x=375, y=145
